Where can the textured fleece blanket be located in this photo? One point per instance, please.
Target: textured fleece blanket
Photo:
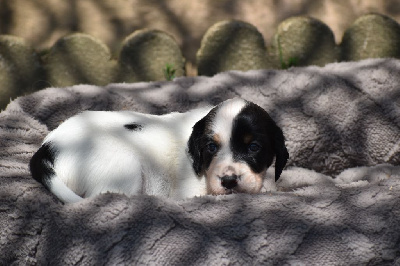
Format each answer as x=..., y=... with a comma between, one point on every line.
x=337, y=203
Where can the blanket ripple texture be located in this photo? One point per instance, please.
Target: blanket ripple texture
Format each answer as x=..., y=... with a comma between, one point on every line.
x=337, y=203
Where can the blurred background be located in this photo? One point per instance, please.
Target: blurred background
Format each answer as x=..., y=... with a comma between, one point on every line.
x=43, y=22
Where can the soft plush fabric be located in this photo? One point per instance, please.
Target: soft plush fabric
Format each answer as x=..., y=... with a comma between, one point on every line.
x=338, y=201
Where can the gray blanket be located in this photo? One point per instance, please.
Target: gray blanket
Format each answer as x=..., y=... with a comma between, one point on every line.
x=338, y=201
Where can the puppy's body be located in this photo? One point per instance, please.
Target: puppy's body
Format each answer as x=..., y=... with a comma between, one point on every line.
x=124, y=152
x=169, y=155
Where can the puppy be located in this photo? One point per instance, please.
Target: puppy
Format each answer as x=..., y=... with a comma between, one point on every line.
x=215, y=150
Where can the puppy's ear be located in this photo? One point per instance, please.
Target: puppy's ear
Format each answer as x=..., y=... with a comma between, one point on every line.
x=194, y=145
x=281, y=153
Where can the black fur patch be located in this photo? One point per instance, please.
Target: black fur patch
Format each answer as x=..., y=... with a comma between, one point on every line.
x=42, y=163
x=255, y=121
x=133, y=127
x=197, y=144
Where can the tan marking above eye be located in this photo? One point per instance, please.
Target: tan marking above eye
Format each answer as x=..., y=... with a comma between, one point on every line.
x=248, y=138
x=216, y=138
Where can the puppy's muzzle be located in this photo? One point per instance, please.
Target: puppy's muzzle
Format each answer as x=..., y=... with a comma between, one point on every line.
x=229, y=181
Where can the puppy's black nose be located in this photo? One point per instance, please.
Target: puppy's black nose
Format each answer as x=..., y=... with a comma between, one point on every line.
x=229, y=181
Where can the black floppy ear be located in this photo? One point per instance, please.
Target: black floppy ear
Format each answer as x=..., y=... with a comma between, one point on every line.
x=194, y=145
x=281, y=153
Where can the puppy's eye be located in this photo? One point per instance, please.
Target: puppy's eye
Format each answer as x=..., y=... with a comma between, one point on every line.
x=254, y=147
x=212, y=147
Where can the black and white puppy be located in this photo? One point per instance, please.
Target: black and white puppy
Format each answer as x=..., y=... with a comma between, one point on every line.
x=215, y=150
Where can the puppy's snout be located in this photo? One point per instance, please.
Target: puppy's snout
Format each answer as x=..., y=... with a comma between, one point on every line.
x=229, y=181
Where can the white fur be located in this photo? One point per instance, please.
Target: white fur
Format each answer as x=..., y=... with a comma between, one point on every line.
x=225, y=117
x=96, y=154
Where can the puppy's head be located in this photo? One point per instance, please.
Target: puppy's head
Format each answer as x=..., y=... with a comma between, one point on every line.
x=234, y=144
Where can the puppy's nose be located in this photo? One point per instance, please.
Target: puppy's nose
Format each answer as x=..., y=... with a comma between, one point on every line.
x=229, y=181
